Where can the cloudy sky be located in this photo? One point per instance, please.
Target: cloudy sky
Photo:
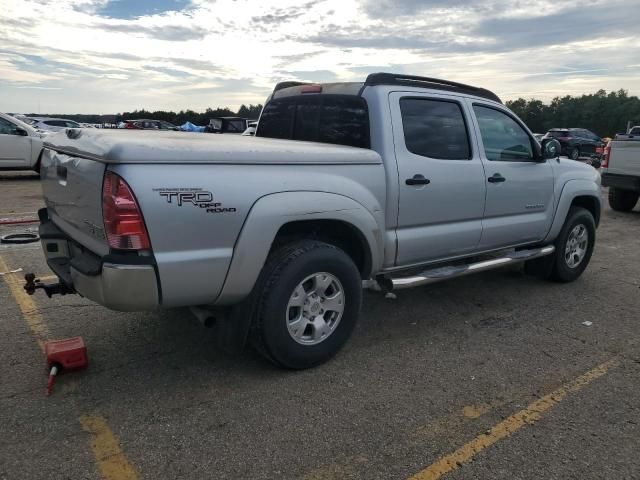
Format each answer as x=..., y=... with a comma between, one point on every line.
x=106, y=56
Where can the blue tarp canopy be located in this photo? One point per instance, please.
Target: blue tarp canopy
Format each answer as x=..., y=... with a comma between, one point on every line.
x=190, y=127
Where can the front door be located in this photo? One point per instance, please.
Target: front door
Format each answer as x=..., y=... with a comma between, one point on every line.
x=441, y=178
x=520, y=198
x=15, y=149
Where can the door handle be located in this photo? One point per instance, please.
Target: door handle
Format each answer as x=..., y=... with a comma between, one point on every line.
x=417, y=180
x=496, y=178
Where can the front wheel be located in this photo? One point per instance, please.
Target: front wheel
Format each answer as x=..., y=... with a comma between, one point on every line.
x=574, y=245
x=308, y=301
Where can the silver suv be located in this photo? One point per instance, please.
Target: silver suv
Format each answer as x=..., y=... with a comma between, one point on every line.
x=399, y=180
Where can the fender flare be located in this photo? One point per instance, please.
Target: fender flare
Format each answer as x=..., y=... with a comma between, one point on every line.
x=571, y=190
x=271, y=212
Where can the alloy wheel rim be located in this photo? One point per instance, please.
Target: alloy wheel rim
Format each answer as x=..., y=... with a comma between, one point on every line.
x=315, y=308
x=576, y=247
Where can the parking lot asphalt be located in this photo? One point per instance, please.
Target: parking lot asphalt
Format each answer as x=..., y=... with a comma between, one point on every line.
x=497, y=376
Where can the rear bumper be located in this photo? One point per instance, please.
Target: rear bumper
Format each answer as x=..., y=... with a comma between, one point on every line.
x=119, y=282
x=623, y=182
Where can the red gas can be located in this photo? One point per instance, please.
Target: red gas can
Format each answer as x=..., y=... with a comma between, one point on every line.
x=67, y=354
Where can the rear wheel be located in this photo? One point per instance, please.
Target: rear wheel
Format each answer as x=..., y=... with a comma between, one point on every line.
x=574, y=153
x=622, y=200
x=307, y=303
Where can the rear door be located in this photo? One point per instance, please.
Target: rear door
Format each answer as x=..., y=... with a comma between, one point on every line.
x=520, y=197
x=441, y=178
x=15, y=149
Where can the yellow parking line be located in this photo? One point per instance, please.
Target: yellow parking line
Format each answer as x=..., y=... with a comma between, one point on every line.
x=27, y=306
x=527, y=416
x=14, y=214
x=110, y=459
x=106, y=448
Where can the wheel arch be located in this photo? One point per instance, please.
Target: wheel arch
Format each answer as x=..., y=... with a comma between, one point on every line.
x=280, y=217
x=582, y=193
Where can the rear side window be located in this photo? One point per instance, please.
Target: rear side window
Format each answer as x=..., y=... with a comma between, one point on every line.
x=435, y=129
x=336, y=119
x=558, y=133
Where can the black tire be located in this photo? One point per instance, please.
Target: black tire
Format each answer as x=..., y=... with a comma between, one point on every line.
x=622, y=200
x=574, y=153
x=561, y=271
x=283, y=272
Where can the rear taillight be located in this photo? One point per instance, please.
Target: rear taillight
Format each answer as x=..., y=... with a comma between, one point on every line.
x=123, y=222
x=605, y=156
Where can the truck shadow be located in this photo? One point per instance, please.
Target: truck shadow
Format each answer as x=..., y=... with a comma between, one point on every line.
x=154, y=352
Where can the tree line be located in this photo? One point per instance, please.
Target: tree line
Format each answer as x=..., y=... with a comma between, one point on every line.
x=251, y=112
x=605, y=114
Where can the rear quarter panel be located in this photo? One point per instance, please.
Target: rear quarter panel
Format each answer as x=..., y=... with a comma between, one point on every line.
x=194, y=244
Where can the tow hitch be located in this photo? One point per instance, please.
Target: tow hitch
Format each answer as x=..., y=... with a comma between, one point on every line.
x=32, y=284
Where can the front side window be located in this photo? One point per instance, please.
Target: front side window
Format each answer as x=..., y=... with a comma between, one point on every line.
x=503, y=138
x=435, y=129
x=6, y=127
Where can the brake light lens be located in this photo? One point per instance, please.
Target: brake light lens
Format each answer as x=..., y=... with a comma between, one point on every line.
x=311, y=89
x=130, y=125
x=123, y=222
x=605, y=156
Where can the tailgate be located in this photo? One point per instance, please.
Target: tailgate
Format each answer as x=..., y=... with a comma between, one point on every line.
x=72, y=189
x=624, y=158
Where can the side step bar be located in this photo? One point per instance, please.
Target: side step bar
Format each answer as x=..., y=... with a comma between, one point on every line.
x=444, y=273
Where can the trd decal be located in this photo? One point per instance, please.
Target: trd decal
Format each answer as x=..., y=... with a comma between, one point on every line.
x=196, y=197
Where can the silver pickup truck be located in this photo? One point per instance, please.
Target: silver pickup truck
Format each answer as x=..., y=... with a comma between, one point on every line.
x=398, y=180
x=621, y=170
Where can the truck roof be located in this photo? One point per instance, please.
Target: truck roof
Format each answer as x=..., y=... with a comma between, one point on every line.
x=285, y=89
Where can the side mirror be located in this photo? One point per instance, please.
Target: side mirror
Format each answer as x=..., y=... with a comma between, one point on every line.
x=21, y=132
x=550, y=148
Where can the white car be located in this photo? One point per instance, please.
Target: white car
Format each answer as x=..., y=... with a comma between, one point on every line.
x=20, y=145
x=52, y=124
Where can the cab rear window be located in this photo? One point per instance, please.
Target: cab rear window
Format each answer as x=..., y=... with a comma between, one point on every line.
x=335, y=119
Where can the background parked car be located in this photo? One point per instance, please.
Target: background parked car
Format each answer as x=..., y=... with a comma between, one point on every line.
x=539, y=136
x=20, y=144
x=251, y=129
x=148, y=124
x=577, y=142
x=52, y=124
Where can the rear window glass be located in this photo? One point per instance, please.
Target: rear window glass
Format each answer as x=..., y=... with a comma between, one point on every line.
x=435, y=129
x=558, y=133
x=336, y=119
